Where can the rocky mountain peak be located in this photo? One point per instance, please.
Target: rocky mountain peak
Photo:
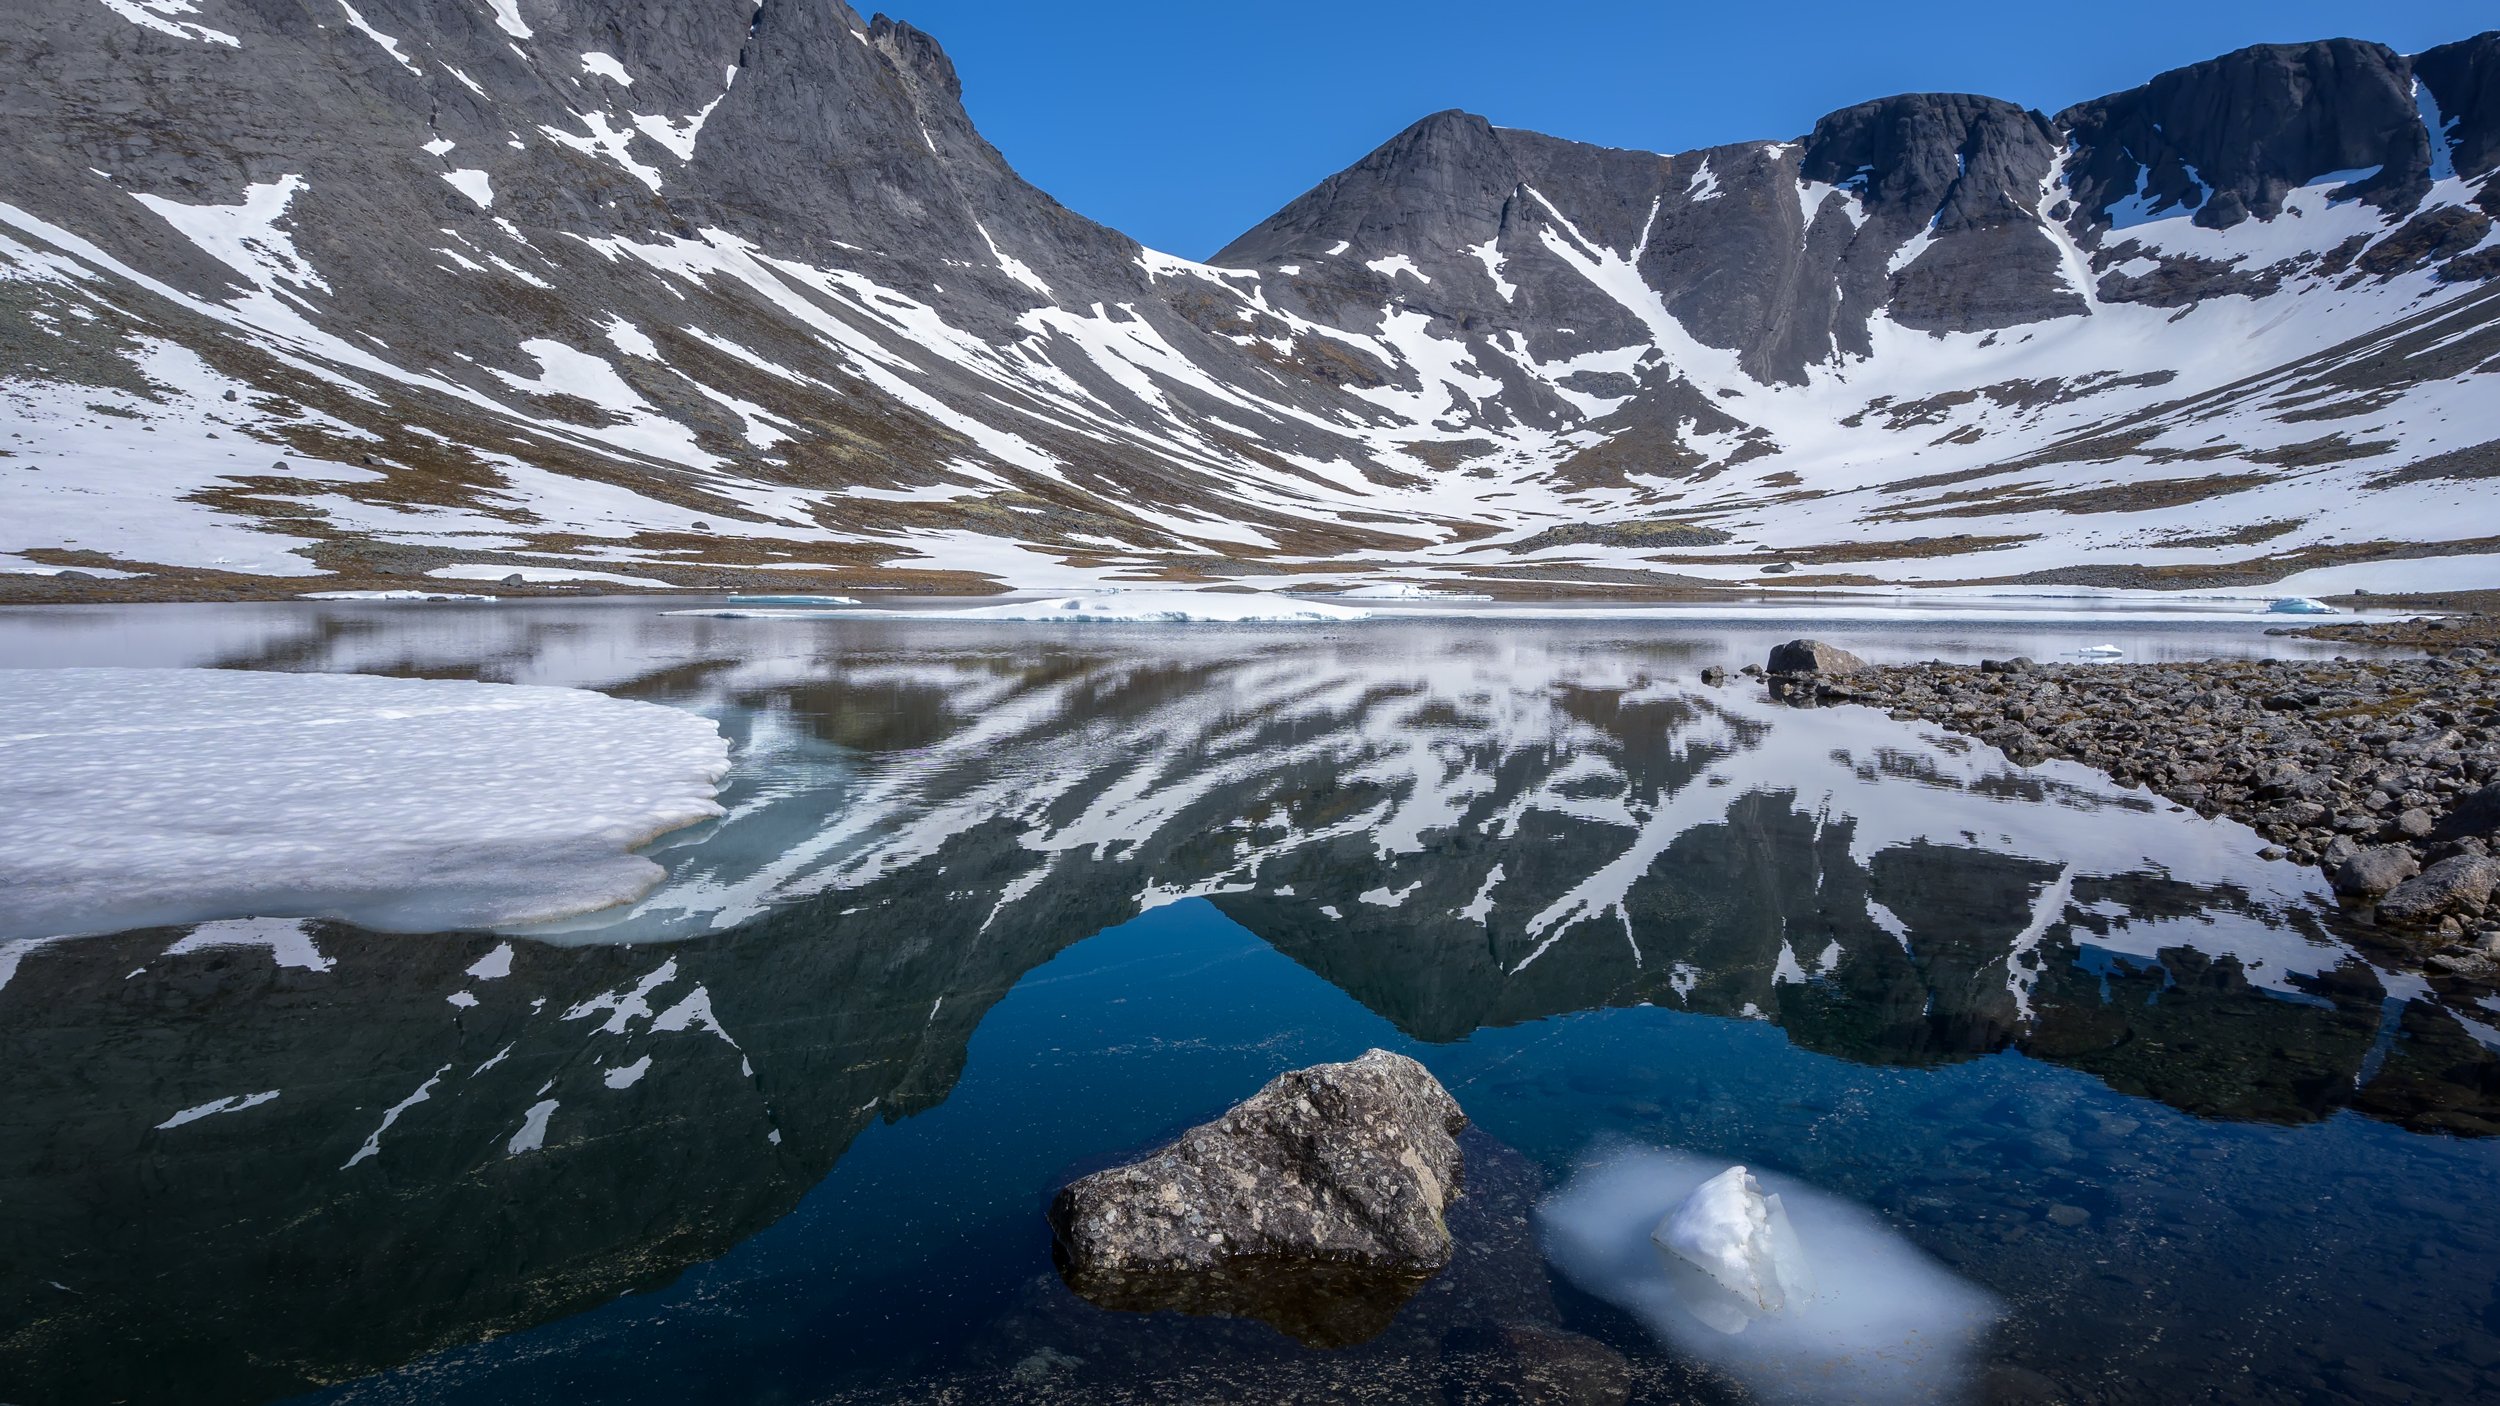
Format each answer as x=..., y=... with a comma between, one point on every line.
x=2462, y=81
x=2229, y=138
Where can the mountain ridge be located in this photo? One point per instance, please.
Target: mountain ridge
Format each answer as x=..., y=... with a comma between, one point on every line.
x=738, y=293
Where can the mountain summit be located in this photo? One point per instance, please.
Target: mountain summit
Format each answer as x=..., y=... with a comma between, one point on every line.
x=712, y=292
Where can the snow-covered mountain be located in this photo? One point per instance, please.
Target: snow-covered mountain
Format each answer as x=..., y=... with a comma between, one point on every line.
x=712, y=292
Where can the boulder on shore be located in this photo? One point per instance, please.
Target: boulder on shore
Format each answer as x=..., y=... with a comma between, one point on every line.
x=2367, y=873
x=1317, y=1199
x=1813, y=657
x=2459, y=885
x=2478, y=813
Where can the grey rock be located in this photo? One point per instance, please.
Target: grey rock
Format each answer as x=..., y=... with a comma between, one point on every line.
x=2458, y=885
x=2374, y=871
x=1813, y=657
x=1349, y=1165
x=2476, y=815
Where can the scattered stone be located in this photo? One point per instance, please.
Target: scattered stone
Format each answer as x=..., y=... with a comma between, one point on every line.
x=1311, y=1205
x=2341, y=763
x=1813, y=657
x=2071, y=1217
x=1714, y=676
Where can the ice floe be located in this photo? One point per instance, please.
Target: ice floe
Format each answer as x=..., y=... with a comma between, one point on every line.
x=394, y=595
x=1155, y=607
x=156, y=796
x=1877, y=1321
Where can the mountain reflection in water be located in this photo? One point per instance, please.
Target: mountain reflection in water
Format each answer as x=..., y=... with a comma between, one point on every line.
x=1464, y=831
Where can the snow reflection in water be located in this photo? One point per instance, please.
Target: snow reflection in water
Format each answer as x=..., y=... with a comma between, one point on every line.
x=1497, y=845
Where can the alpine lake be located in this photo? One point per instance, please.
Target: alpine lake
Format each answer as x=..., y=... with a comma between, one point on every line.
x=996, y=905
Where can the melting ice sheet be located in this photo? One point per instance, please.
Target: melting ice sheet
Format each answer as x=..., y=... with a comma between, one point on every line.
x=1883, y=1324
x=136, y=797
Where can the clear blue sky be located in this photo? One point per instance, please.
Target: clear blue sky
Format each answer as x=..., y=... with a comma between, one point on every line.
x=1183, y=123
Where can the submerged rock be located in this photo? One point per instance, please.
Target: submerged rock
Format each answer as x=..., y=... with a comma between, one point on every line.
x=1316, y=1204
x=1813, y=657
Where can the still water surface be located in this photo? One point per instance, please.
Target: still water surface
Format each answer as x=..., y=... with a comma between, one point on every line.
x=995, y=905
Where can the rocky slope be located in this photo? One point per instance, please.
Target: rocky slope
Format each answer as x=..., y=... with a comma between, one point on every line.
x=727, y=292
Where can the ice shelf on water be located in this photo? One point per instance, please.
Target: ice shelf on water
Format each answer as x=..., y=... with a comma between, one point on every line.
x=1405, y=590
x=1154, y=607
x=792, y=600
x=395, y=595
x=1879, y=1322
x=140, y=797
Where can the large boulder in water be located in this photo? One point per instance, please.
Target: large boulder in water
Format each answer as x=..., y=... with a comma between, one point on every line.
x=1308, y=1204
x=1813, y=657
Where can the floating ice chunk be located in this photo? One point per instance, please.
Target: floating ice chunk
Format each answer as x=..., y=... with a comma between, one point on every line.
x=1728, y=1229
x=158, y=796
x=791, y=600
x=1879, y=1323
x=2100, y=651
x=2299, y=605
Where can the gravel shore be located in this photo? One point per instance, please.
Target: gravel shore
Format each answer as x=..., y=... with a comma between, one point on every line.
x=2384, y=773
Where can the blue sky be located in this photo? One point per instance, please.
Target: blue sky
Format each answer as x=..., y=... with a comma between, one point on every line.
x=1185, y=123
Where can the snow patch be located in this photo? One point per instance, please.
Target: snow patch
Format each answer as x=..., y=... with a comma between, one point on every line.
x=475, y=184
x=159, y=16
x=214, y=1107
x=605, y=66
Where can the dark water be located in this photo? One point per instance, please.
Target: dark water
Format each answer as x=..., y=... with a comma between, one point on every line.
x=996, y=905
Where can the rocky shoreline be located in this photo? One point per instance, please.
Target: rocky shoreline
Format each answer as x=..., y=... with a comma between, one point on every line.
x=2383, y=773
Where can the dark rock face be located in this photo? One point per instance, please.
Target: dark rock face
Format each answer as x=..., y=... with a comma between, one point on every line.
x=2463, y=83
x=1813, y=657
x=2231, y=137
x=1324, y=1192
x=1967, y=173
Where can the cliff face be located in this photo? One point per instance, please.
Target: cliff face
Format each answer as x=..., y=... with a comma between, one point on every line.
x=712, y=289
